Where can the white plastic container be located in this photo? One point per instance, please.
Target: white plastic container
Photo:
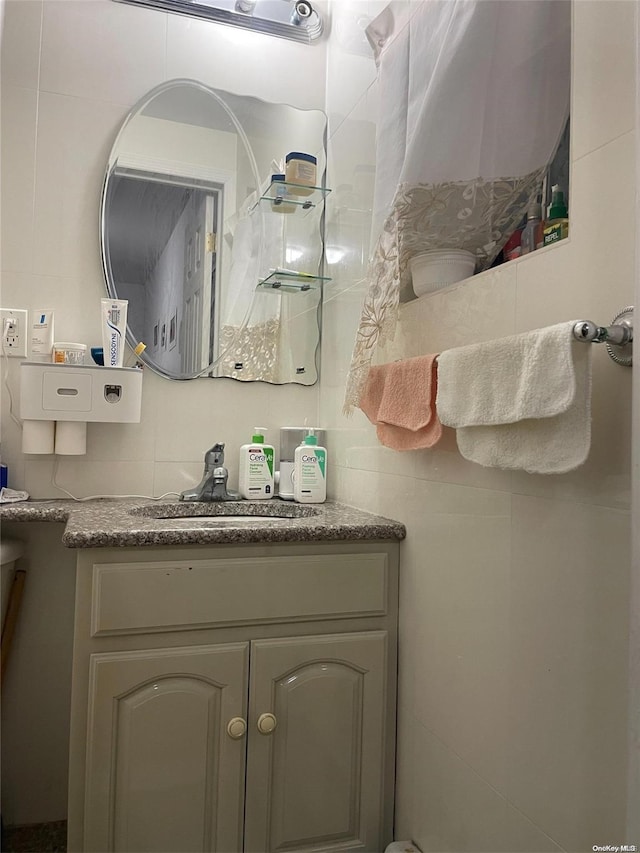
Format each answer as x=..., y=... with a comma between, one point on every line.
x=310, y=472
x=256, y=468
x=279, y=191
x=69, y=353
x=431, y=271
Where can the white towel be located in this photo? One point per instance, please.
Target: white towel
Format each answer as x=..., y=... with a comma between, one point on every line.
x=522, y=402
x=499, y=382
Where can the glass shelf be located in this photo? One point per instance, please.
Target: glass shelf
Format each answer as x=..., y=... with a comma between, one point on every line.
x=289, y=281
x=275, y=195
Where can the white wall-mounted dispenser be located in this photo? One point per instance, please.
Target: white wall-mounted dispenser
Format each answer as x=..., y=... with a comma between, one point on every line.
x=58, y=400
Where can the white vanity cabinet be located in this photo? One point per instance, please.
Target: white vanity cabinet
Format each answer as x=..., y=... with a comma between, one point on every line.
x=234, y=698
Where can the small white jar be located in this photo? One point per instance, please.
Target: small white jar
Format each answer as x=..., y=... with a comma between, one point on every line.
x=69, y=353
x=280, y=192
x=301, y=169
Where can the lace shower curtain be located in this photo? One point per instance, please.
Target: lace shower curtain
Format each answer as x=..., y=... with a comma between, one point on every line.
x=474, y=97
x=254, y=343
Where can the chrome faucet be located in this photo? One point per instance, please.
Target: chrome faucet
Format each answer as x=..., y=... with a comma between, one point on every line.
x=213, y=486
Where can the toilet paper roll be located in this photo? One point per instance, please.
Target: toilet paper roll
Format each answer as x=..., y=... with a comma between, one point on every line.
x=37, y=436
x=71, y=438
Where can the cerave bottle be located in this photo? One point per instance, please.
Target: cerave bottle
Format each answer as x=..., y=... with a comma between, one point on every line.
x=256, y=468
x=310, y=472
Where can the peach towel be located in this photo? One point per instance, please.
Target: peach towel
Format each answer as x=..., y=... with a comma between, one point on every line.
x=400, y=399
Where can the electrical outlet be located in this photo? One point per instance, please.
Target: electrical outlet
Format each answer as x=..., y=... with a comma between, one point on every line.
x=14, y=332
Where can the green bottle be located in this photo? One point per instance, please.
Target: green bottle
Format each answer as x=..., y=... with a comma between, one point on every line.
x=557, y=225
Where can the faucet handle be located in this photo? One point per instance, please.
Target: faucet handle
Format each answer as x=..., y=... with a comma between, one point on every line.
x=214, y=457
x=213, y=486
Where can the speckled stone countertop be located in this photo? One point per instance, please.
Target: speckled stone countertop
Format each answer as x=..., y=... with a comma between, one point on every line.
x=123, y=523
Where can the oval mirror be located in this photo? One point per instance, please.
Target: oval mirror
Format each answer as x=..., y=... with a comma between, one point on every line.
x=219, y=281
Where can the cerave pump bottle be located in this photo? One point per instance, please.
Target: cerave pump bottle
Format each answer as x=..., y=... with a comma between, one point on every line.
x=310, y=472
x=256, y=468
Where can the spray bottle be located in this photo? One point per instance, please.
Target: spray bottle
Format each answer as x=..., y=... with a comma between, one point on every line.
x=557, y=226
x=532, y=236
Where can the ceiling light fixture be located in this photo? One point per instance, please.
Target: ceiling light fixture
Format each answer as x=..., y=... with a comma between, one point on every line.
x=298, y=20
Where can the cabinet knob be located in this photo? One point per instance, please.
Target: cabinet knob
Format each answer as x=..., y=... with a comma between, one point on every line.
x=266, y=723
x=236, y=728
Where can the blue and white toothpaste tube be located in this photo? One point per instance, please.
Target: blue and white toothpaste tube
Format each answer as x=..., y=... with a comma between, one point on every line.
x=114, y=330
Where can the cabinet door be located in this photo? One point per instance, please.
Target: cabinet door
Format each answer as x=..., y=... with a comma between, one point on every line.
x=163, y=775
x=315, y=782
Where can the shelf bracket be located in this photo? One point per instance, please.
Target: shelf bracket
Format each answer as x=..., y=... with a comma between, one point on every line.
x=618, y=337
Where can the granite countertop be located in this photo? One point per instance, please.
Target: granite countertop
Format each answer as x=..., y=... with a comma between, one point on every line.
x=107, y=523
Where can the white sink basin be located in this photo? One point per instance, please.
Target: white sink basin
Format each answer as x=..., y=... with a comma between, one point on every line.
x=226, y=512
x=207, y=521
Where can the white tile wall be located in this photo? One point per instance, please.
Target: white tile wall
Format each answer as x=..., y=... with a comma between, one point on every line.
x=506, y=661
x=102, y=51
x=74, y=138
x=350, y=70
x=461, y=689
x=19, y=112
x=458, y=810
x=20, y=59
x=568, y=642
x=245, y=62
x=603, y=104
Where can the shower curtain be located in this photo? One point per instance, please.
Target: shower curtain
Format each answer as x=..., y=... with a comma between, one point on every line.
x=254, y=341
x=474, y=97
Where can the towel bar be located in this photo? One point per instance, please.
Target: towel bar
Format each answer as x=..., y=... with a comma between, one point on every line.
x=618, y=336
